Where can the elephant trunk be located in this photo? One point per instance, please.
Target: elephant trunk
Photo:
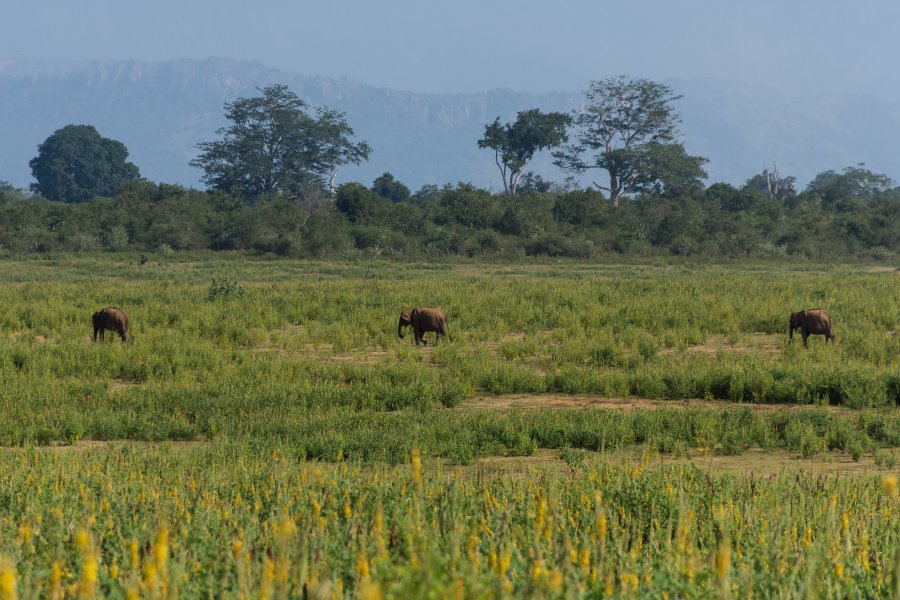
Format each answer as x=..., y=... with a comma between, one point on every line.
x=400, y=328
x=790, y=333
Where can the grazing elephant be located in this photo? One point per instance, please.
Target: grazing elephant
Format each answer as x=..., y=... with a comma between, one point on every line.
x=112, y=318
x=813, y=321
x=144, y=259
x=422, y=320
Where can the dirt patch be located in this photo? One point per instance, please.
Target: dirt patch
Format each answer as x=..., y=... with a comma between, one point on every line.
x=592, y=402
x=88, y=445
x=756, y=343
x=755, y=462
x=764, y=463
x=880, y=269
x=117, y=385
x=543, y=459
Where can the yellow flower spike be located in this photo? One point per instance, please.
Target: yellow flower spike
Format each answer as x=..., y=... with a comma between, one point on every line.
x=133, y=553
x=161, y=547
x=114, y=569
x=82, y=540
x=723, y=564
x=88, y=583
x=7, y=580
x=585, y=559
x=417, y=466
x=370, y=590
x=362, y=566
x=889, y=484
x=266, y=587
x=56, y=574
x=555, y=580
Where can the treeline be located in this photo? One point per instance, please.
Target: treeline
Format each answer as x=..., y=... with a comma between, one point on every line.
x=833, y=218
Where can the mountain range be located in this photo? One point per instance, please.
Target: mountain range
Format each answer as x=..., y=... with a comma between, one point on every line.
x=161, y=110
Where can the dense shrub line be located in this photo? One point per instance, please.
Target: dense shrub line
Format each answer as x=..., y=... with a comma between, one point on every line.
x=459, y=220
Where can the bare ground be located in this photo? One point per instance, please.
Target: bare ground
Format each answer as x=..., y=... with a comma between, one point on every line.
x=591, y=402
x=754, y=462
x=760, y=343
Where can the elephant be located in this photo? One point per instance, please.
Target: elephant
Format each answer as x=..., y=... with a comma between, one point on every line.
x=112, y=318
x=144, y=260
x=813, y=321
x=422, y=320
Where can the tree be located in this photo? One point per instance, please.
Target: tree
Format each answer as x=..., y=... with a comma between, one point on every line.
x=666, y=169
x=515, y=144
x=772, y=184
x=274, y=145
x=76, y=164
x=621, y=119
x=388, y=187
x=852, y=182
x=333, y=145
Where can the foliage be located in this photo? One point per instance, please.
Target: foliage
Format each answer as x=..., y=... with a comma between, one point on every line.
x=76, y=164
x=721, y=221
x=229, y=520
x=224, y=287
x=274, y=145
x=514, y=144
x=852, y=182
x=388, y=187
x=628, y=129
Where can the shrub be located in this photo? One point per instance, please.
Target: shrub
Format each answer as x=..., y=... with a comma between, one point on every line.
x=224, y=287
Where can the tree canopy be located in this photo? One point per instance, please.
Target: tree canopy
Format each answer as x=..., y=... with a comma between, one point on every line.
x=76, y=164
x=274, y=145
x=388, y=187
x=852, y=182
x=627, y=127
x=514, y=144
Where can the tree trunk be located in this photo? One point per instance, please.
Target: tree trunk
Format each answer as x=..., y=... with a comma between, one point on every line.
x=614, y=191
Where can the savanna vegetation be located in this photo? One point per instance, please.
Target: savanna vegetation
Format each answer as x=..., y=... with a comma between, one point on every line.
x=265, y=433
x=264, y=430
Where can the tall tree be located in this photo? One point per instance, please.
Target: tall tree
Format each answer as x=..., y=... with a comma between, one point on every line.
x=772, y=184
x=857, y=182
x=514, y=144
x=274, y=145
x=615, y=129
x=76, y=164
x=333, y=145
x=388, y=187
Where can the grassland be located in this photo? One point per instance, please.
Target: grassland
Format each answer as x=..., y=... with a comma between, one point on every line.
x=216, y=407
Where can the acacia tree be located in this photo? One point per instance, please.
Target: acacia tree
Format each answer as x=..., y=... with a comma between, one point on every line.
x=514, y=144
x=624, y=125
x=76, y=164
x=274, y=145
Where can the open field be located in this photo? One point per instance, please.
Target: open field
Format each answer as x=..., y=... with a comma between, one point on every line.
x=257, y=436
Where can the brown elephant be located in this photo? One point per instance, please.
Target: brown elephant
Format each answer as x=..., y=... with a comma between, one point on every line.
x=422, y=320
x=112, y=318
x=813, y=321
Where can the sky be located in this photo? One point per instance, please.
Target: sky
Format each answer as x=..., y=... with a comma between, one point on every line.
x=799, y=47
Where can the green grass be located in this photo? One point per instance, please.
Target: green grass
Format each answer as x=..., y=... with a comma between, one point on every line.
x=309, y=351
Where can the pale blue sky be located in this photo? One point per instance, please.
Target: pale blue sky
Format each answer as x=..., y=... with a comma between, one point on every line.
x=796, y=46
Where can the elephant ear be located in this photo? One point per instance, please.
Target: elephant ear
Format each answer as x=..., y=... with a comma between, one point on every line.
x=413, y=313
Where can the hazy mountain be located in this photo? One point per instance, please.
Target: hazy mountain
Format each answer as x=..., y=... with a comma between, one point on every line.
x=160, y=111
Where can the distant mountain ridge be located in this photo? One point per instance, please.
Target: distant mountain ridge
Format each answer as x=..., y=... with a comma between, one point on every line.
x=161, y=110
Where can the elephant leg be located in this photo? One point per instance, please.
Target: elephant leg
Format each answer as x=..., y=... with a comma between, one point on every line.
x=805, y=338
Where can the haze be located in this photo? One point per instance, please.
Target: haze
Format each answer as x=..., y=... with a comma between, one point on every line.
x=802, y=47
